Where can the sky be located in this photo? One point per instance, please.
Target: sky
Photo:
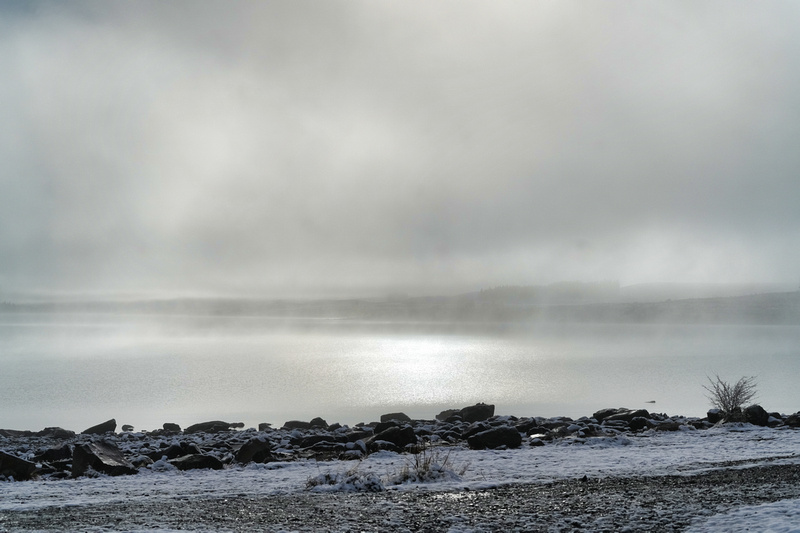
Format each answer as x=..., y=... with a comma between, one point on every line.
x=284, y=148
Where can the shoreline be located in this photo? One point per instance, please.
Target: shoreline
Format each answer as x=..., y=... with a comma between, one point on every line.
x=646, y=479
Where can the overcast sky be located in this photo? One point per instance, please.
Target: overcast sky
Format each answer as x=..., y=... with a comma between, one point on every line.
x=305, y=148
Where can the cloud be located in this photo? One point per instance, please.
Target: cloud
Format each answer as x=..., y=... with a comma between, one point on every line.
x=291, y=146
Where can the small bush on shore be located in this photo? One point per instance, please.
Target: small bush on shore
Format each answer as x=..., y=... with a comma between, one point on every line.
x=731, y=398
x=428, y=465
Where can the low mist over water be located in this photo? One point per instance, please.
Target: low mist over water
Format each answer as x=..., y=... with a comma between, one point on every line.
x=76, y=371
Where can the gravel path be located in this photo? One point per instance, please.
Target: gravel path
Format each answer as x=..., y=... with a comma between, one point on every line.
x=663, y=503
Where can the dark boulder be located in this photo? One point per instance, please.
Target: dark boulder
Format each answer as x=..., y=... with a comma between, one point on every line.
x=495, y=438
x=360, y=434
x=715, y=416
x=297, y=424
x=447, y=413
x=793, y=420
x=528, y=425
x=12, y=466
x=383, y=426
x=127, y=427
x=264, y=426
x=477, y=412
x=318, y=423
x=668, y=425
x=602, y=414
x=54, y=454
x=56, y=433
x=626, y=415
x=400, y=437
x=474, y=429
x=174, y=451
x=172, y=428
x=15, y=433
x=214, y=426
x=399, y=417
x=108, y=426
x=639, y=422
x=256, y=450
x=196, y=461
x=103, y=457
x=313, y=440
x=756, y=415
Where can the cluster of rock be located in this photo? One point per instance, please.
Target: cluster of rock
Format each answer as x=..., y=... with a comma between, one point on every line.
x=55, y=453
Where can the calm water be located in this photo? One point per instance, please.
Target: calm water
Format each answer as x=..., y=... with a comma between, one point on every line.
x=77, y=371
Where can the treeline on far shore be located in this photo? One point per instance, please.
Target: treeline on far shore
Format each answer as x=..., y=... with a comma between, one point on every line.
x=483, y=306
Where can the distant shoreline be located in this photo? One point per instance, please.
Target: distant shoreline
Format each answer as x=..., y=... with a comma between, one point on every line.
x=767, y=308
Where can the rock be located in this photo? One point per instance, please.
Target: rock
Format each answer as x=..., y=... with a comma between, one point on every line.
x=141, y=461
x=12, y=466
x=383, y=426
x=477, y=412
x=400, y=437
x=638, y=422
x=474, y=429
x=400, y=417
x=318, y=423
x=668, y=425
x=264, y=426
x=15, y=433
x=793, y=420
x=528, y=426
x=196, y=461
x=174, y=451
x=169, y=426
x=56, y=433
x=447, y=413
x=627, y=415
x=602, y=414
x=215, y=426
x=756, y=415
x=360, y=434
x=715, y=416
x=103, y=457
x=297, y=424
x=495, y=438
x=108, y=426
x=256, y=450
x=312, y=440
x=54, y=454
x=236, y=425
x=127, y=428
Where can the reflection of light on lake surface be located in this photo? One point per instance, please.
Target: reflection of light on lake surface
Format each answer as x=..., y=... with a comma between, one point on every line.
x=147, y=374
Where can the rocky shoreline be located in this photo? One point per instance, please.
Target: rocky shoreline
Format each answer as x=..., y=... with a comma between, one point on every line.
x=56, y=453
x=606, y=502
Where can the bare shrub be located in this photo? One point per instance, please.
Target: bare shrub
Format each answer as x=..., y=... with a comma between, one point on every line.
x=731, y=398
x=428, y=465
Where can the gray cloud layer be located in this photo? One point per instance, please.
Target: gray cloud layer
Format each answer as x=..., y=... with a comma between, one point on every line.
x=325, y=146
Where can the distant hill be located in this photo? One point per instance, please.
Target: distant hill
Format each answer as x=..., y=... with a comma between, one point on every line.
x=659, y=292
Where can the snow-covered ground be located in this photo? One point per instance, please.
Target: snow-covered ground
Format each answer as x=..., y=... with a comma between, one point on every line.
x=650, y=453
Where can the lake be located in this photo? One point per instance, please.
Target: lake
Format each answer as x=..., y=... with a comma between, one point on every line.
x=75, y=371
